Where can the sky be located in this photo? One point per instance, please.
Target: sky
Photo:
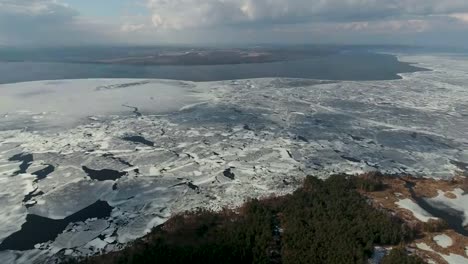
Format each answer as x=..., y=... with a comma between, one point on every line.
x=154, y=22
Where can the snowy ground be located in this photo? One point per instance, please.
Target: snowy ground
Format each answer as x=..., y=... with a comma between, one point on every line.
x=443, y=241
x=450, y=259
x=152, y=148
x=415, y=209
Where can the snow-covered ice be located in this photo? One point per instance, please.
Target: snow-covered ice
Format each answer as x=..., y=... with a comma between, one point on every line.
x=152, y=148
x=67, y=102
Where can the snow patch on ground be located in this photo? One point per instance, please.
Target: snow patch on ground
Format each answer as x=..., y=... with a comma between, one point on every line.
x=451, y=259
x=424, y=246
x=378, y=254
x=454, y=259
x=417, y=211
x=443, y=241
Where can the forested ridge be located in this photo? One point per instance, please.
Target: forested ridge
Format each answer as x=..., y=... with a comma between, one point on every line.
x=324, y=221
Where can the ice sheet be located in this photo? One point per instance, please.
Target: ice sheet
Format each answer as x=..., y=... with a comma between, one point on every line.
x=66, y=102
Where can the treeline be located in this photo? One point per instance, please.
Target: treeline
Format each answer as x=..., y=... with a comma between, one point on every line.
x=321, y=222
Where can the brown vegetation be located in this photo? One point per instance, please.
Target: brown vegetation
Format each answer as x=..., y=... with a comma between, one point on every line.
x=395, y=190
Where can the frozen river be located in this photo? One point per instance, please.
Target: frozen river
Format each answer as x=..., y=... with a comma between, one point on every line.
x=94, y=164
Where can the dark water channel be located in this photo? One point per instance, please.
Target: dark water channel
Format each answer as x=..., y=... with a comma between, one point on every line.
x=452, y=217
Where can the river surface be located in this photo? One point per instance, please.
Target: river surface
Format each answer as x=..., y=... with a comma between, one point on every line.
x=340, y=66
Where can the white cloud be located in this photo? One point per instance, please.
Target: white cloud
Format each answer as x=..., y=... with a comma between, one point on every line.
x=14, y=13
x=463, y=17
x=387, y=26
x=53, y=22
x=338, y=21
x=178, y=14
x=128, y=27
x=47, y=22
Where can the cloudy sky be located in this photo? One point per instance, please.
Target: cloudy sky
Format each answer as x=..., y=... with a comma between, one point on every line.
x=77, y=22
